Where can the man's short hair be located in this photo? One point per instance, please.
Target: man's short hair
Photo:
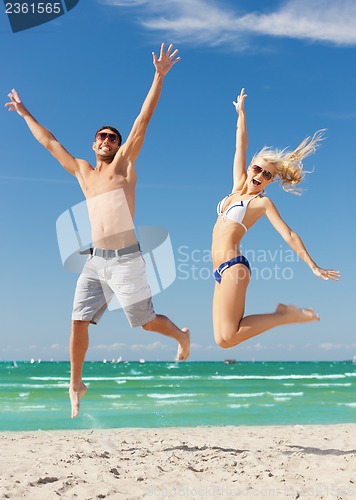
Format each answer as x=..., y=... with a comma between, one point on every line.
x=113, y=129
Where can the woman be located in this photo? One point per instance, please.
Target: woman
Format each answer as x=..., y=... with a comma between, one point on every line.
x=237, y=212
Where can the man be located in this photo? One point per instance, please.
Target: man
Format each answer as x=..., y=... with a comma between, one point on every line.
x=116, y=265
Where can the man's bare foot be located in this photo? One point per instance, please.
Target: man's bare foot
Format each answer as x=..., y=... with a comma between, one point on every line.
x=296, y=315
x=75, y=397
x=184, y=346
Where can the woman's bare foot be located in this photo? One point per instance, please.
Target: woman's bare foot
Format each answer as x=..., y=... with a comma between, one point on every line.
x=75, y=397
x=184, y=346
x=295, y=315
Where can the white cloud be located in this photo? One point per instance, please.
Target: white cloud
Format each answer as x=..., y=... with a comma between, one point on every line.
x=154, y=346
x=212, y=348
x=329, y=346
x=109, y=347
x=257, y=346
x=214, y=23
x=58, y=347
x=319, y=20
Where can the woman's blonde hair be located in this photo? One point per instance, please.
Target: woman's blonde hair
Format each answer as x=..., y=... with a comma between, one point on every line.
x=289, y=164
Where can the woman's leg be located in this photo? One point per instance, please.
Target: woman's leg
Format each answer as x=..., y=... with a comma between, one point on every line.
x=230, y=327
x=229, y=304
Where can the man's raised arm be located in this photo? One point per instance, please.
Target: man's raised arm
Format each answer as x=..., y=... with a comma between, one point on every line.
x=44, y=136
x=163, y=64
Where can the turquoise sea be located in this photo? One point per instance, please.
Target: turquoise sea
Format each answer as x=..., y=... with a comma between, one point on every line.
x=159, y=394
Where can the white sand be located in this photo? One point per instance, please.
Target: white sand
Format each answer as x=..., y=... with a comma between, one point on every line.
x=203, y=462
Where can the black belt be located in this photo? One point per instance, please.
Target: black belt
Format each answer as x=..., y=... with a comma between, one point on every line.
x=108, y=254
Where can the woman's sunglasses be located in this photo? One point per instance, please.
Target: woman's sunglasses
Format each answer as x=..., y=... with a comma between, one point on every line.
x=103, y=135
x=266, y=175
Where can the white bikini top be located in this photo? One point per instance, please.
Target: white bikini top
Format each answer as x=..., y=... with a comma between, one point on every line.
x=236, y=211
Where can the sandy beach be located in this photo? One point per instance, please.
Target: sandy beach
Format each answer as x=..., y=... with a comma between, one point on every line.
x=201, y=462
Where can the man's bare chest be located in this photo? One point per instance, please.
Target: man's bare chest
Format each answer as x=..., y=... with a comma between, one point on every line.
x=100, y=182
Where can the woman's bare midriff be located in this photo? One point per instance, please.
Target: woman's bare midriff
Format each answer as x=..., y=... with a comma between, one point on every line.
x=227, y=236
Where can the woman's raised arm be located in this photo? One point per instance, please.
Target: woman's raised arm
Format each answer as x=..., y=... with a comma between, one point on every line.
x=239, y=170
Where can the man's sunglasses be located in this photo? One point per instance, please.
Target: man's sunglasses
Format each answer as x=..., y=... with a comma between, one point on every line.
x=267, y=175
x=103, y=135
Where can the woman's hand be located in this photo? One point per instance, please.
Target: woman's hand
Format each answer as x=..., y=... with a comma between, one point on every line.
x=240, y=102
x=326, y=274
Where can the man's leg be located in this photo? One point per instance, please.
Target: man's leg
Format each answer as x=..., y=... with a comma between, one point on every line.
x=161, y=324
x=79, y=342
x=129, y=283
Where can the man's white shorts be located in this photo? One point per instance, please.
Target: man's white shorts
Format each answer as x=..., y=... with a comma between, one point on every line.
x=123, y=276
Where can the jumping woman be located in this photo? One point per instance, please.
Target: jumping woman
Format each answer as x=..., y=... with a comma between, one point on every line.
x=237, y=213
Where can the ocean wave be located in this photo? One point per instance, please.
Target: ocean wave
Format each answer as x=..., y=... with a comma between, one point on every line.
x=118, y=380
x=32, y=407
x=181, y=377
x=267, y=393
x=48, y=378
x=347, y=384
x=171, y=396
x=37, y=386
x=247, y=395
x=276, y=377
x=141, y=377
x=286, y=393
x=162, y=402
x=124, y=406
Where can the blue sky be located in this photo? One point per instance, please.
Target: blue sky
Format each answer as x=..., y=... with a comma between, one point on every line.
x=93, y=66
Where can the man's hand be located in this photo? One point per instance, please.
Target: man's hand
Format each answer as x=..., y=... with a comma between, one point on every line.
x=166, y=60
x=16, y=103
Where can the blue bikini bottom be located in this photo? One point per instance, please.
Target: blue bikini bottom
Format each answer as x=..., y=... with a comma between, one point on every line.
x=240, y=259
